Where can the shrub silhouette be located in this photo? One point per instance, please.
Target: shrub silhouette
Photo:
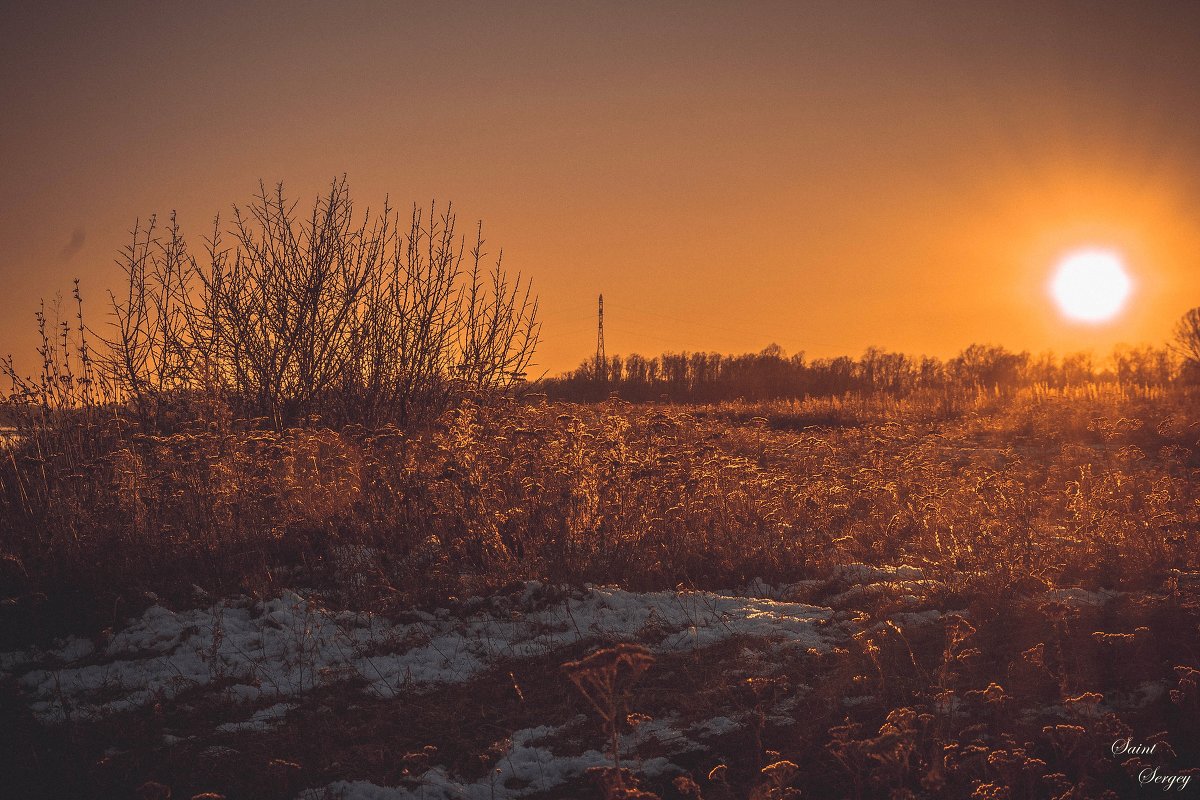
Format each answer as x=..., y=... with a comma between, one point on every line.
x=361, y=319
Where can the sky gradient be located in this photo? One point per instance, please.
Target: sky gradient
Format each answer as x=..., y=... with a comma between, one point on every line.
x=825, y=176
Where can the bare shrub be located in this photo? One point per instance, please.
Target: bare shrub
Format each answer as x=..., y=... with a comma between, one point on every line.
x=359, y=318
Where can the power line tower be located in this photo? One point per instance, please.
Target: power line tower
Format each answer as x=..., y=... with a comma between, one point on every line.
x=601, y=359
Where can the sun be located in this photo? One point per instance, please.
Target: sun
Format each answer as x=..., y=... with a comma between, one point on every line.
x=1091, y=285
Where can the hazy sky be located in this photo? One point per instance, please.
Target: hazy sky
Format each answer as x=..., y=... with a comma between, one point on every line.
x=826, y=176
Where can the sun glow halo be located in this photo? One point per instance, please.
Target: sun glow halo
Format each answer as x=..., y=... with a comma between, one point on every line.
x=1091, y=285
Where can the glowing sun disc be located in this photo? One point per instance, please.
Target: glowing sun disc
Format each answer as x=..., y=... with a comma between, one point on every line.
x=1091, y=285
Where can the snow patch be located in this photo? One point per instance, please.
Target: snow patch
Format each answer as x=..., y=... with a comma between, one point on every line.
x=260, y=720
x=529, y=766
x=1082, y=598
x=717, y=726
x=292, y=644
x=866, y=573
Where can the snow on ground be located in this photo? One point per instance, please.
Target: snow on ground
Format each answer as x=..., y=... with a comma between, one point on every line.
x=526, y=768
x=268, y=654
x=261, y=720
x=530, y=765
x=1082, y=598
x=292, y=644
x=911, y=593
x=863, y=583
x=866, y=573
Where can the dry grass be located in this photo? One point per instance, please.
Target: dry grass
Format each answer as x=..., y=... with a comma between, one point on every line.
x=1086, y=490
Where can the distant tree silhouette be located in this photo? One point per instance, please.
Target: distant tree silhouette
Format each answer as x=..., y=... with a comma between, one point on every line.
x=770, y=374
x=1187, y=342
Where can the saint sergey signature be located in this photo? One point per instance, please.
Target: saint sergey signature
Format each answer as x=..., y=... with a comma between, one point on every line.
x=1150, y=776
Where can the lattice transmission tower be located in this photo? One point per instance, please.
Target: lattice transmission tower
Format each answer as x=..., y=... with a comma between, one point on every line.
x=601, y=359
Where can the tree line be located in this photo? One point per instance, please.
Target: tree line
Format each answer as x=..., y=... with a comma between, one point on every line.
x=772, y=374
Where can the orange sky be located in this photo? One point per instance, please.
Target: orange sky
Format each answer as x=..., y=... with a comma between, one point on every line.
x=827, y=176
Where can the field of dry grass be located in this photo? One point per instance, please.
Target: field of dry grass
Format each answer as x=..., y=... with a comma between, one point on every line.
x=855, y=597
